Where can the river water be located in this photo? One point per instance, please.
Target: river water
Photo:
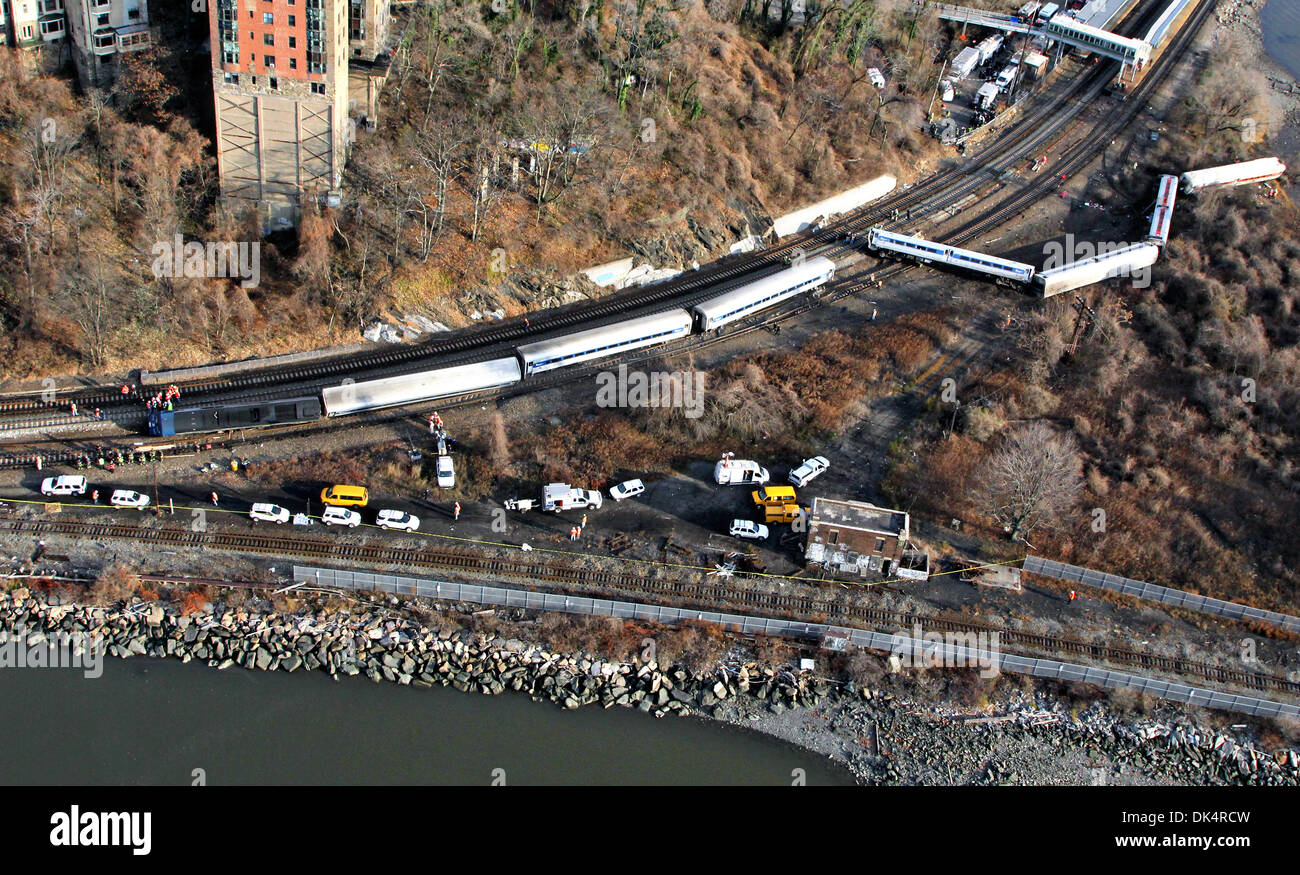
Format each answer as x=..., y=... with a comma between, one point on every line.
x=157, y=721
x=1281, y=25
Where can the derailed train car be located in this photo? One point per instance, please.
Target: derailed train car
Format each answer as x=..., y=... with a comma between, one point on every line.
x=1244, y=173
x=763, y=293
x=1125, y=261
x=228, y=417
x=1000, y=270
x=607, y=340
x=424, y=386
x=1162, y=216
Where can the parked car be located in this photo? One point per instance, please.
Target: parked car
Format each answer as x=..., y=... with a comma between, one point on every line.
x=341, y=516
x=773, y=496
x=127, y=498
x=68, y=484
x=397, y=519
x=808, y=470
x=269, y=513
x=342, y=495
x=748, y=529
x=446, y=472
x=783, y=513
x=626, y=489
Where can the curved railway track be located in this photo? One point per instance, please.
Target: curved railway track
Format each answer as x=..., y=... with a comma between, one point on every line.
x=694, y=593
x=940, y=191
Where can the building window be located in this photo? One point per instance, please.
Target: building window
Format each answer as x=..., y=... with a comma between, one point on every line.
x=101, y=21
x=318, y=88
x=269, y=60
x=293, y=42
x=27, y=32
x=231, y=78
x=133, y=14
x=833, y=537
x=293, y=63
x=230, y=57
x=268, y=18
x=275, y=84
x=880, y=545
x=293, y=19
x=268, y=39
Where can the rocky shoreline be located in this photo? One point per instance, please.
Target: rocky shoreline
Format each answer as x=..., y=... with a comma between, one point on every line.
x=881, y=736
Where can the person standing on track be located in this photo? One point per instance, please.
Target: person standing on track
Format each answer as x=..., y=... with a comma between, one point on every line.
x=214, y=499
x=455, y=511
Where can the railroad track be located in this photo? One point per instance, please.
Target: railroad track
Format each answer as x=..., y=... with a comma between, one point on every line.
x=949, y=187
x=693, y=590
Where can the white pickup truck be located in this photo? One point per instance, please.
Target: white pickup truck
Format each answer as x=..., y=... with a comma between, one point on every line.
x=562, y=496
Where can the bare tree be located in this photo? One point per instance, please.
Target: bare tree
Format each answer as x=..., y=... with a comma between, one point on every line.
x=1032, y=479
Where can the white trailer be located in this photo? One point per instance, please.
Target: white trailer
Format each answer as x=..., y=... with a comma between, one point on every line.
x=1246, y=172
x=1124, y=261
x=966, y=62
x=989, y=47
x=987, y=96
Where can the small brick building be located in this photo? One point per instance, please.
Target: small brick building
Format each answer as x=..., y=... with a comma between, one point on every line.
x=853, y=537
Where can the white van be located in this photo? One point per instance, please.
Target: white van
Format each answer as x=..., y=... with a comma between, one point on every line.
x=741, y=471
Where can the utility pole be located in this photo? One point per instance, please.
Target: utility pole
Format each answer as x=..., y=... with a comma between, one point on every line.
x=929, y=113
x=1084, y=314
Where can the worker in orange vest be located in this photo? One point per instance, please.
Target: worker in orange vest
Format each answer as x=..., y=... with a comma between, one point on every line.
x=1073, y=596
x=455, y=511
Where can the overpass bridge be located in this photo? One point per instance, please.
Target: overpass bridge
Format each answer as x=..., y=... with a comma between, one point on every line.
x=1062, y=28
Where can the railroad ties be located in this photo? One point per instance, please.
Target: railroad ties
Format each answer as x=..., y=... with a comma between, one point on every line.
x=695, y=590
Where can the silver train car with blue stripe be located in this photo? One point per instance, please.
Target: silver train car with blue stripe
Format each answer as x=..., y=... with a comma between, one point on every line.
x=766, y=292
x=541, y=356
x=1000, y=270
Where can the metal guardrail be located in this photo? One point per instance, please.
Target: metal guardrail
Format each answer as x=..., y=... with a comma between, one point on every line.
x=949, y=652
x=1163, y=594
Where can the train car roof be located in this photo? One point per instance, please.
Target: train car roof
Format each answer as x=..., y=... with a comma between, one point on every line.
x=595, y=338
x=759, y=289
x=422, y=386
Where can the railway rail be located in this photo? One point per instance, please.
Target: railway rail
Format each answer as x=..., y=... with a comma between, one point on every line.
x=694, y=593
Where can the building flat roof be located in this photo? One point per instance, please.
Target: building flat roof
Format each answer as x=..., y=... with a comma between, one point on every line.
x=859, y=515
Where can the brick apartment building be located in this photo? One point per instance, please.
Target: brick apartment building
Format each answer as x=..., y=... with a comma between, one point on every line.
x=281, y=74
x=94, y=33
